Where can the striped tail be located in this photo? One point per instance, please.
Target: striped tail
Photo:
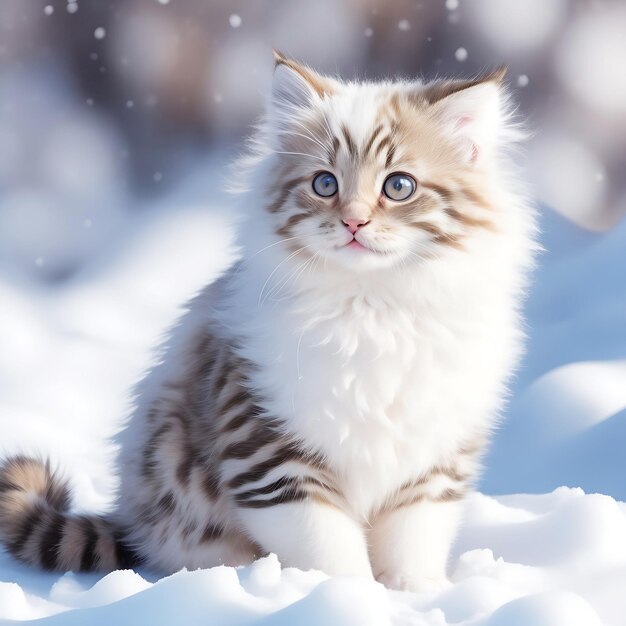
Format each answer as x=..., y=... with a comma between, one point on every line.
x=36, y=527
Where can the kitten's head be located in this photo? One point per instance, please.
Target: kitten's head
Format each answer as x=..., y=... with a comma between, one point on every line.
x=375, y=175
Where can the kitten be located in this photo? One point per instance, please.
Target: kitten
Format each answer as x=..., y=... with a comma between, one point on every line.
x=328, y=399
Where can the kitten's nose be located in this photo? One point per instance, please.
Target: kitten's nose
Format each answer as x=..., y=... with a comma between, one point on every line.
x=354, y=225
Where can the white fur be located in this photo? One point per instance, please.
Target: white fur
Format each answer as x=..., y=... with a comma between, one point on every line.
x=387, y=368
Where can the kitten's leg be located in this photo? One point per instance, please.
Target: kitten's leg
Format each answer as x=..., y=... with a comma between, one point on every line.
x=310, y=535
x=285, y=501
x=411, y=537
x=410, y=544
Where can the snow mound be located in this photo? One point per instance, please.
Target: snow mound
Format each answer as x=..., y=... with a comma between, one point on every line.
x=550, y=560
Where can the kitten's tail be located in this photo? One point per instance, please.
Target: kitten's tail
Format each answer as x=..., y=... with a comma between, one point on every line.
x=37, y=528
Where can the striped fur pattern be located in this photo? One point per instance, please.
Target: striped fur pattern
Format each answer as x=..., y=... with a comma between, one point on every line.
x=326, y=402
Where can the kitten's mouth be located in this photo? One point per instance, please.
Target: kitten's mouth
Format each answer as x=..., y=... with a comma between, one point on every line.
x=355, y=245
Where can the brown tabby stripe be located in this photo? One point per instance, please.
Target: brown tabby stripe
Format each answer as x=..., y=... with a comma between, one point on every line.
x=429, y=228
x=89, y=556
x=476, y=198
x=349, y=142
x=332, y=153
x=285, y=189
x=124, y=556
x=50, y=540
x=260, y=437
x=413, y=492
x=223, y=371
x=289, y=452
x=385, y=141
x=291, y=491
x=236, y=422
x=26, y=528
x=450, y=495
x=238, y=399
x=291, y=494
x=390, y=155
x=293, y=220
x=468, y=220
x=212, y=532
x=211, y=484
x=283, y=481
x=261, y=469
x=372, y=138
x=188, y=460
x=448, y=239
x=444, y=192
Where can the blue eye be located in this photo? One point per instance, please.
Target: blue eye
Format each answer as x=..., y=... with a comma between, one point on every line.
x=325, y=185
x=399, y=187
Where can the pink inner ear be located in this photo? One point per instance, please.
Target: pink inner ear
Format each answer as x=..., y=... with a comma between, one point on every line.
x=474, y=150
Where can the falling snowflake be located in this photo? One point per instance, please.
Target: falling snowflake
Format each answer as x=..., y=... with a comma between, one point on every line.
x=452, y=5
x=404, y=25
x=49, y=9
x=72, y=7
x=522, y=80
x=368, y=32
x=99, y=33
x=235, y=20
x=461, y=54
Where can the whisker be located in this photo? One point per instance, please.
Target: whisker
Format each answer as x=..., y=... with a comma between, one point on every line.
x=272, y=245
x=309, y=137
x=311, y=156
x=260, y=300
x=294, y=274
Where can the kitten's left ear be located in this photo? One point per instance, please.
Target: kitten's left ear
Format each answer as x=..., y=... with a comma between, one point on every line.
x=472, y=111
x=296, y=87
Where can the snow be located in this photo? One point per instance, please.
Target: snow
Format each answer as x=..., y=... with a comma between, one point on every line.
x=514, y=566
x=235, y=20
x=460, y=54
x=99, y=33
x=553, y=558
x=404, y=25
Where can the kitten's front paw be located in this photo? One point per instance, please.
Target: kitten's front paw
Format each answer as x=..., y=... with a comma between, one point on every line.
x=403, y=581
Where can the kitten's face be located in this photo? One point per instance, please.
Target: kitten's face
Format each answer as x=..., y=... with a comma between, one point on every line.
x=378, y=175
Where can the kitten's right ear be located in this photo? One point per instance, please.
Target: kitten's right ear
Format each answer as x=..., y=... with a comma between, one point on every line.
x=296, y=87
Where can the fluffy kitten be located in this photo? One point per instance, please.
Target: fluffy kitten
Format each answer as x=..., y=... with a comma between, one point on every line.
x=328, y=399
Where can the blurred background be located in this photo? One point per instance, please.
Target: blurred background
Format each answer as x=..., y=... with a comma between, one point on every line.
x=117, y=118
x=105, y=102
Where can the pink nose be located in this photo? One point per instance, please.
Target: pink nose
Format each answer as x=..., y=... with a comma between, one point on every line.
x=354, y=225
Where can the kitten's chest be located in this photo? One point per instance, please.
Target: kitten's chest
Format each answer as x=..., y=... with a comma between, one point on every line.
x=370, y=385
